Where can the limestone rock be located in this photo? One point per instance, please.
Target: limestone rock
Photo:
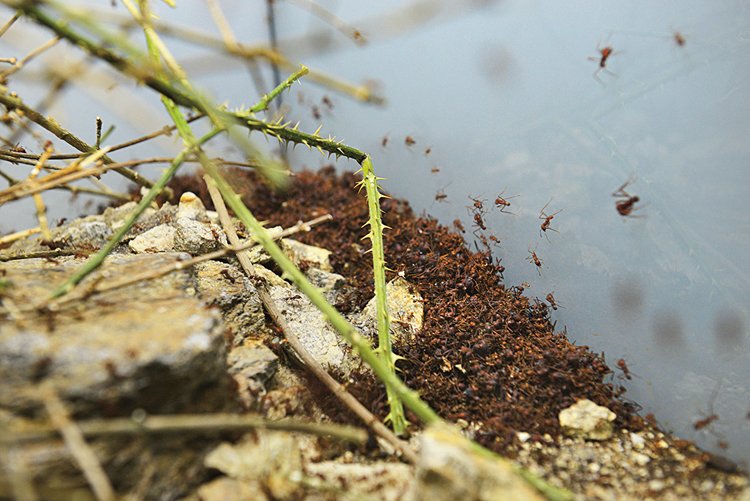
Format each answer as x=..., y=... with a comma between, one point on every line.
x=313, y=331
x=405, y=307
x=273, y=461
x=158, y=239
x=300, y=253
x=123, y=349
x=449, y=469
x=226, y=286
x=587, y=420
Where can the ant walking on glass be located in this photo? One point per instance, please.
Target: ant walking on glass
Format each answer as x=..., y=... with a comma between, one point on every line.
x=625, y=206
x=604, y=54
x=547, y=220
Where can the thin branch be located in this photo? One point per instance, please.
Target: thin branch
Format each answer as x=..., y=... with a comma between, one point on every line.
x=13, y=102
x=28, y=57
x=76, y=444
x=187, y=423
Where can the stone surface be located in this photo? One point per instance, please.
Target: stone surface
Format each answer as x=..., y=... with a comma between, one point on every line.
x=313, y=331
x=300, y=254
x=587, y=420
x=272, y=460
x=122, y=349
x=405, y=307
x=449, y=469
x=158, y=239
x=225, y=285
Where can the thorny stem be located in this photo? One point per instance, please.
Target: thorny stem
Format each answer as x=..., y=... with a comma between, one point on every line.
x=95, y=261
x=385, y=350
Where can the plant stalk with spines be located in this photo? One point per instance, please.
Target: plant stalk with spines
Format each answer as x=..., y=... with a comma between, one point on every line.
x=375, y=234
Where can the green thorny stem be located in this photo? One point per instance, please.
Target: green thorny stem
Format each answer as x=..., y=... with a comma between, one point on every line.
x=370, y=183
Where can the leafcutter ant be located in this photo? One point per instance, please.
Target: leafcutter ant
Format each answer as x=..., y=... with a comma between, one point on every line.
x=625, y=206
x=624, y=368
x=604, y=54
x=547, y=220
x=534, y=259
x=502, y=203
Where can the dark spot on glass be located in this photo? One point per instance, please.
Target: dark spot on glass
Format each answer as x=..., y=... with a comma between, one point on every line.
x=668, y=329
x=728, y=329
x=627, y=296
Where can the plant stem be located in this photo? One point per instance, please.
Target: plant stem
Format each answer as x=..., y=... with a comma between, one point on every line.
x=385, y=350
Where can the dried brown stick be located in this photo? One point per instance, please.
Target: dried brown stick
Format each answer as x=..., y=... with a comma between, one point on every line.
x=13, y=102
x=313, y=365
x=187, y=423
x=77, y=445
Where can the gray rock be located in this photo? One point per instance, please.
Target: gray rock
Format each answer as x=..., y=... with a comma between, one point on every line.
x=405, y=308
x=587, y=420
x=226, y=286
x=449, y=469
x=252, y=366
x=158, y=239
x=120, y=350
x=313, y=331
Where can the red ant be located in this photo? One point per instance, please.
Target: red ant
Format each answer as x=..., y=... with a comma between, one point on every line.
x=547, y=220
x=534, y=259
x=552, y=302
x=624, y=368
x=502, y=203
x=440, y=196
x=460, y=227
x=435, y=170
x=479, y=221
x=702, y=423
x=604, y=55
x=478, y=204
x=495, y=240
x=409, y=141
x=626, y=205
x=679, y=39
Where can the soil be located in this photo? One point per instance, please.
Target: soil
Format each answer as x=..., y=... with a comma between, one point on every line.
x=486, y=354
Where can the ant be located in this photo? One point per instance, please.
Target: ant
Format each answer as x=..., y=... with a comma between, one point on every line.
x=478, y=204
x=440, y=196
x=534, y=259
x=435, y=170
x=624, y=368
x=427, y=151
x=315, y=112
x=702, y=423
x=327, y=101
x=502, y=203
x=604, y=55
x=546, y=220
x=626, y=205
x=478, y=221
x=409, y=141
x=679, y=39
x=384, y=141
x=460, y=227
x=495, y=240
x=552, y=302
